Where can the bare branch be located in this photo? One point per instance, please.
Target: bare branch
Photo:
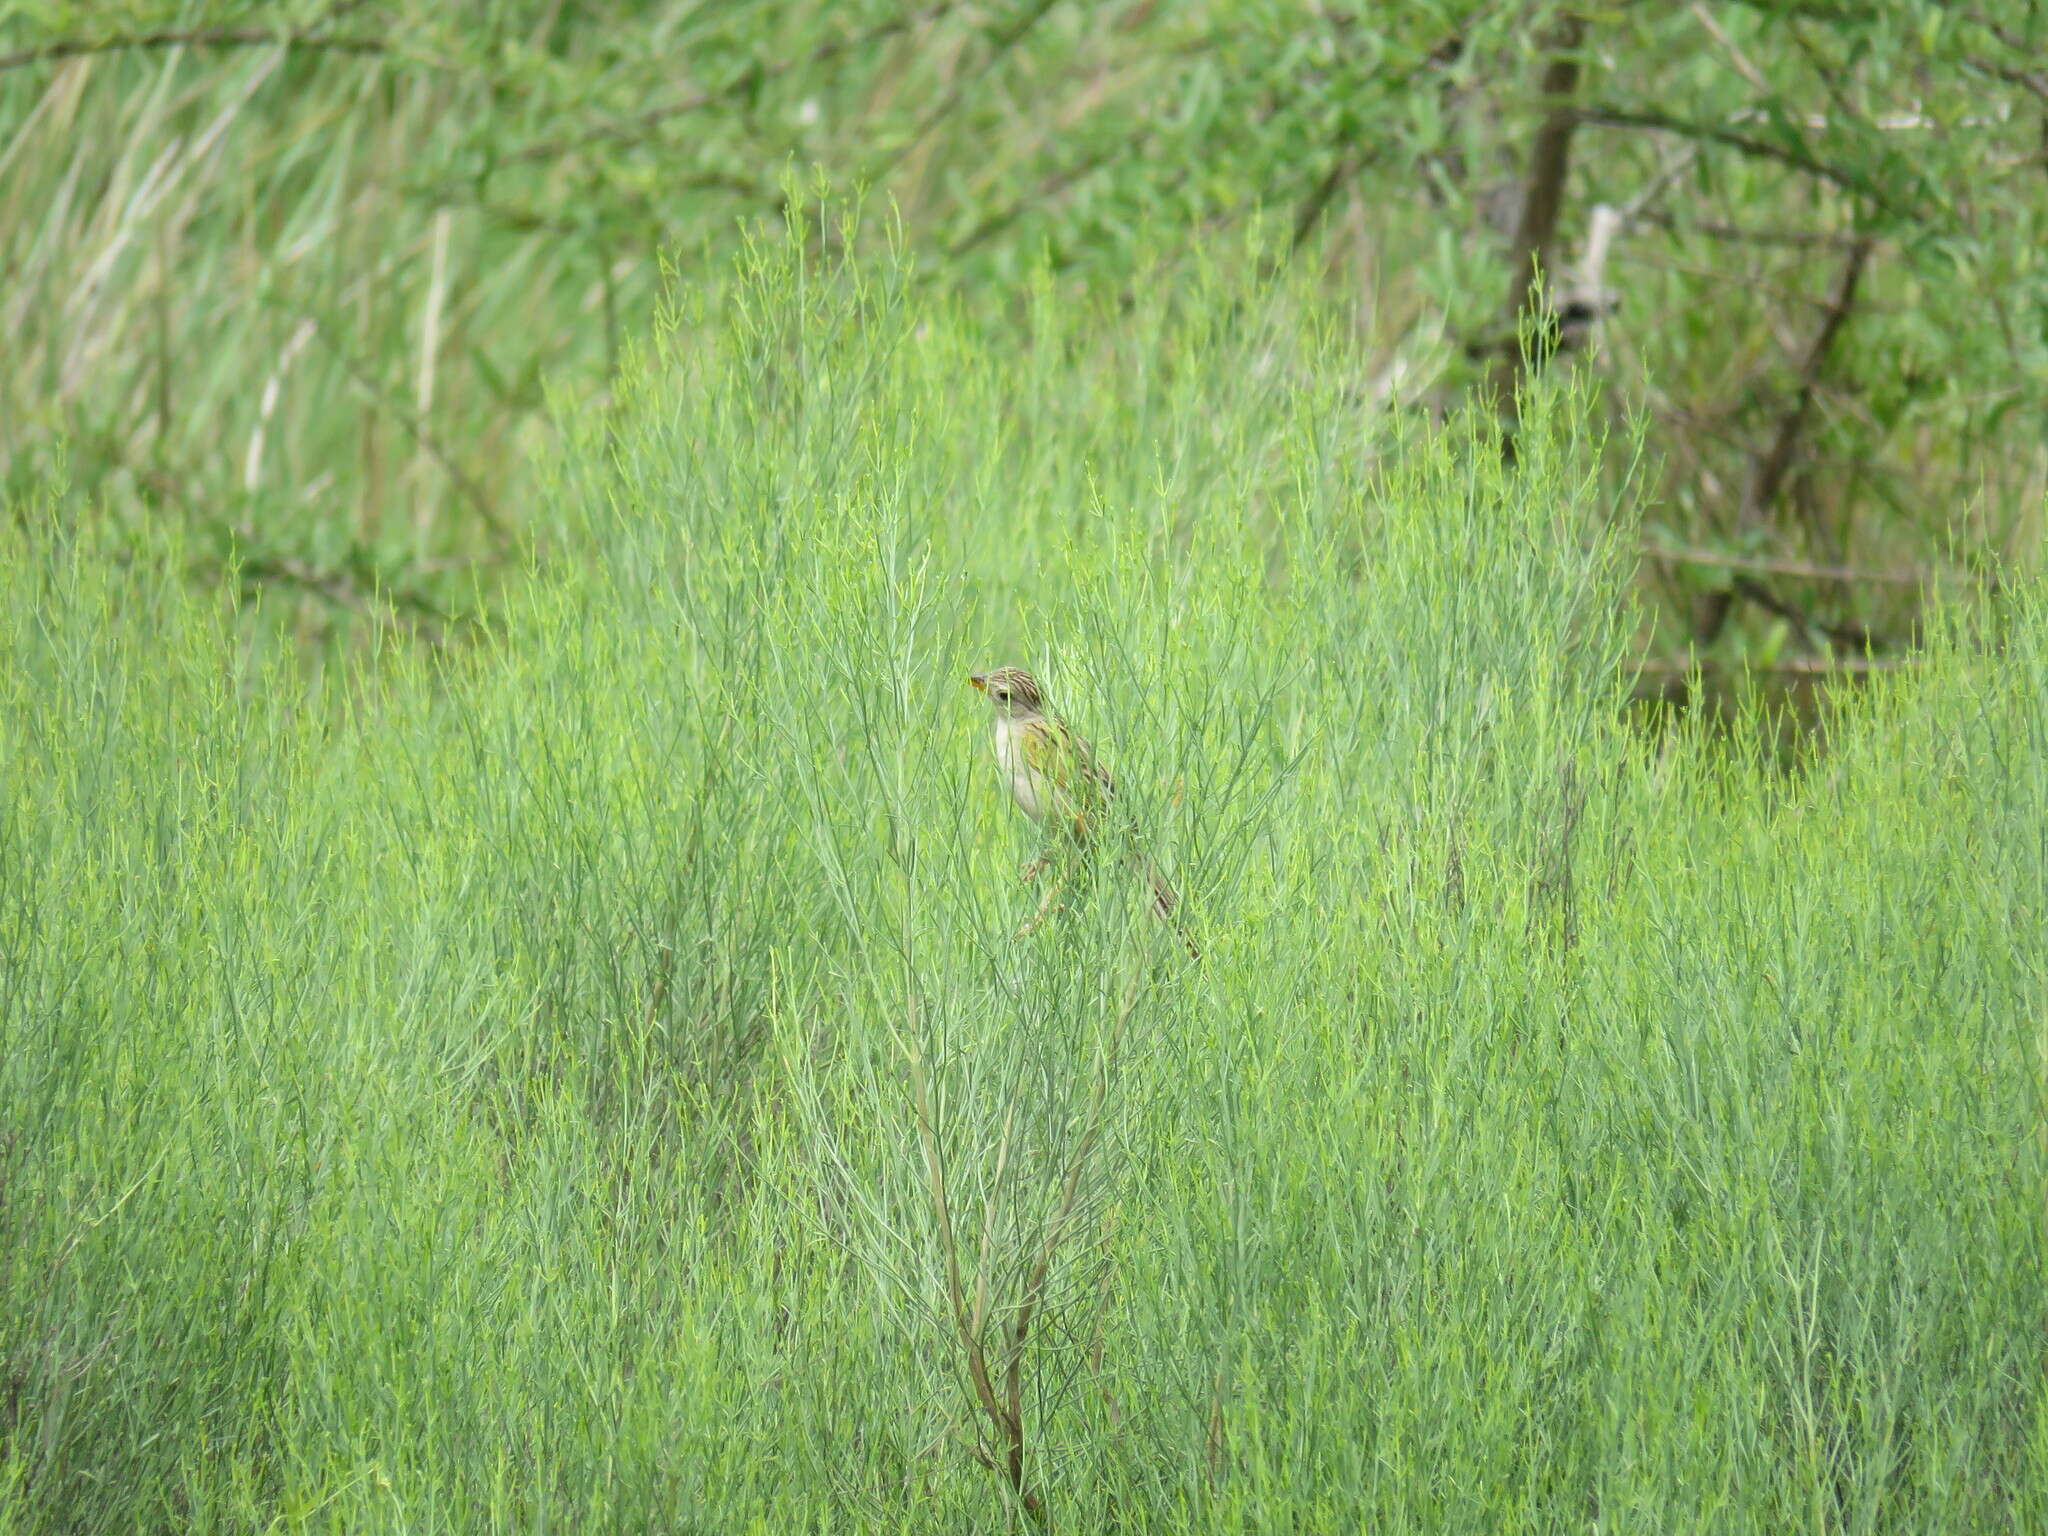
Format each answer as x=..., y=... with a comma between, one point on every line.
x=1793, y=239
x=1348, y=162
x=1004, y=43
x=1772, y=467
x=423, y=437
x=1713, y=133
x=1768, y=565
x=309, y=36
x=1848, y=634
x=1802, y=666
x=1536, y=226
x=640, y=124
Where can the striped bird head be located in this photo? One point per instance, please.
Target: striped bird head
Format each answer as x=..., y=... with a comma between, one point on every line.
x=1012, y=690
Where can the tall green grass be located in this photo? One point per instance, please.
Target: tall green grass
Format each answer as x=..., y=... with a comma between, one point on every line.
x=587, y=1078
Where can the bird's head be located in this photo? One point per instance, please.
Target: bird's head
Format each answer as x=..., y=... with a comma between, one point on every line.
x=1012, y=690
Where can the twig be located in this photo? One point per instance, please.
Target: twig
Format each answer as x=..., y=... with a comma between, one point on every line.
x=430, y=353
x=1349, y=161
x=1712, y=133
x=638, y=125
x=1771, y=469
x=1057, y=182
x=1849, y=633
x=252, y=462
x=996, y=1378
x=205, y=37
x=1782, y=567
x=1795, y=239
x=1320, y=194
x=1542, y=198
x=1063, y=177
x=1587, y=298
x=308, y=36
x=417, y=430
x=950, y=102
x=335, y=586
x=1791, y=666
x=1736, y=56
x=966, y=1326
x=2027, y=79
x=942, y=1210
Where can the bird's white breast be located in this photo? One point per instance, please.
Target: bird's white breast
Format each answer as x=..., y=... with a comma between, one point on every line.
x=1015, y=767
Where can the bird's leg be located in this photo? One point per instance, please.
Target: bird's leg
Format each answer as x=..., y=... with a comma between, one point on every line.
x=1046, y=908
x=1033, y=868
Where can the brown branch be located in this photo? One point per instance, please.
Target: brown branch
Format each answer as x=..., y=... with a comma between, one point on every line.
x=1063, y=177
x=1713, y=133
x=1054, y=184
x=199, y=37
x=1349, y=162
x=1848, y=633
x=1536, y=229
x=1542, y=200
x=1797, y=666
x=2028, y=79
x=1794, y=239
x=1549, y=161
x=1006, y=1420
x=336, y=587
x=415, y=428
x=942, y=1210
x=1771, y=469
x=1780, y=567
x=1003, y=44
x=2031, y=81
x=1319, y=197
x=640, y=124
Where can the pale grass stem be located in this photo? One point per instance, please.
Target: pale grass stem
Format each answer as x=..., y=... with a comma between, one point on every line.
x=252, y=463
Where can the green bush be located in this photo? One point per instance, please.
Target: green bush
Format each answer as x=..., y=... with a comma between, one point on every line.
x=586, y=1077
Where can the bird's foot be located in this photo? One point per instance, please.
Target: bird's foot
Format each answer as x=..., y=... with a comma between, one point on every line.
x=1040, y=918
x=1046, y=909
x=1033, y=868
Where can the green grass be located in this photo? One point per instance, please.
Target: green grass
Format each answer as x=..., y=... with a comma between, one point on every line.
x=561, y=1079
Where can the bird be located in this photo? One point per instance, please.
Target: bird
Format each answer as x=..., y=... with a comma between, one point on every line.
x=1057, y=781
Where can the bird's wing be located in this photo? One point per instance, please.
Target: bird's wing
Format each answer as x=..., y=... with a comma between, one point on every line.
x=1063, y=760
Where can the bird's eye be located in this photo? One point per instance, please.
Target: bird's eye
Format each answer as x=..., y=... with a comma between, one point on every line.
x=1003, y=695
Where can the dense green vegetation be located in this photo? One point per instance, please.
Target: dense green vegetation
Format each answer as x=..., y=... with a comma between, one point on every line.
x=512, y=1013
x=585, y=1078
x=293, y=273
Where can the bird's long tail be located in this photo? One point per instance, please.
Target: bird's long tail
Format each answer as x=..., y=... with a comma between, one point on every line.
x=1165, y=900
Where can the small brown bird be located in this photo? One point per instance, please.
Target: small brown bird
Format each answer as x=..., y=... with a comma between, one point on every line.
x=1056, y=781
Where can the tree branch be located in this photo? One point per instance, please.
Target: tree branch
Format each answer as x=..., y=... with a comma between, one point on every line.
x=1799, y=666
x=1713, y=133
x=415, y=428
x=1791, y=239
x=1004, y=42
x=1768, y=565
x=337, y=587
x=638, y=126
x=308, y=36
x=1536, y=226
x=1771, y=469
x=1775, y=463
x=1848, y=633
x=1349, y=161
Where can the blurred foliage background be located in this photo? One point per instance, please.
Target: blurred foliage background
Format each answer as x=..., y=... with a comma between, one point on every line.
x=587, y=1077
x=300, y=275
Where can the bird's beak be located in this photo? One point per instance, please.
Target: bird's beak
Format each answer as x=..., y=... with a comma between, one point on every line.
x=980, y=680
